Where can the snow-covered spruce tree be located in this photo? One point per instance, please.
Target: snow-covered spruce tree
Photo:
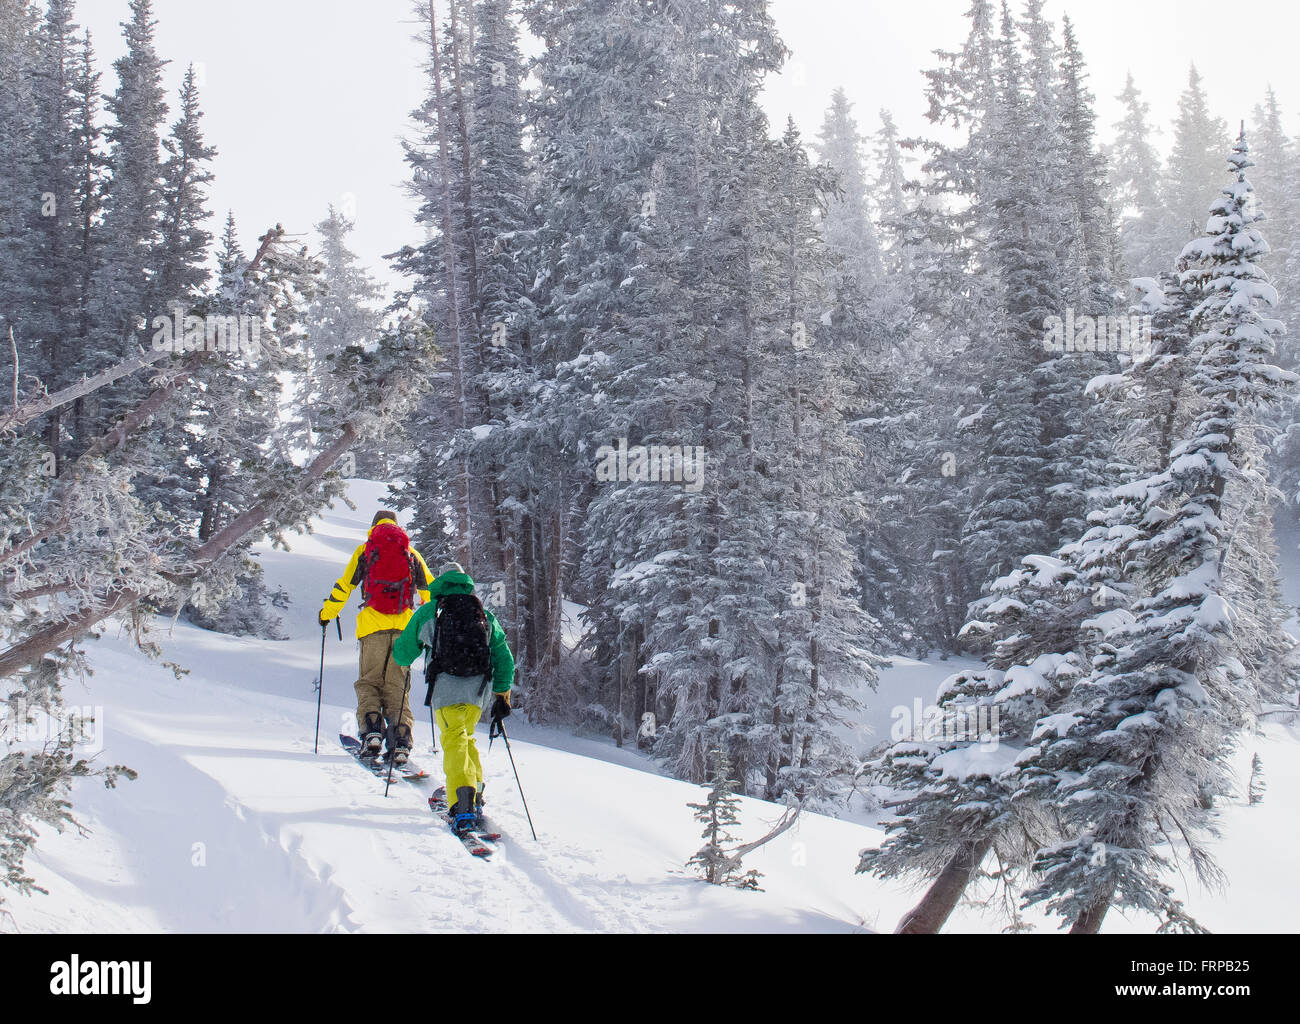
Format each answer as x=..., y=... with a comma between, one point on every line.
x=344, y=311
x=1037, y=624
x=720, y=812
x=504, y=446
x=614, y=215
x=130, y=230
x=1277, y=182
x=1023, y=214
x=181, y=272
x=1277, y=158
x=435, y=488
x=869, y=322
x=953, y=294
x=824, y=636
x=68, y=168
x=847, y=222
x=953, y=802
x=1077, y=435
x=1195, y=169
x=1143, y=750
x=1257, y=786
x=19, y=188
x=471, y=179
x=891, y=190
x=1137, y=177
x=178, y=289
x=240, y=443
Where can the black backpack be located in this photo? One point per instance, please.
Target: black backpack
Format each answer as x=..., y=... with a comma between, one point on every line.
x=462, y=639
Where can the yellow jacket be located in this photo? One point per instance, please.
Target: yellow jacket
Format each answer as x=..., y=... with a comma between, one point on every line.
x=368, y=620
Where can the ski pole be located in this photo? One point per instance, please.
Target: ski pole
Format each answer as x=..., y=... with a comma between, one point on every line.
x=339, y=623
x=405, y=691
x=499, y=729
x=320, y=689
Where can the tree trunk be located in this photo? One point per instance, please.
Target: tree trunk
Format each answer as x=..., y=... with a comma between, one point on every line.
x=929, y=916
x=1089, y=922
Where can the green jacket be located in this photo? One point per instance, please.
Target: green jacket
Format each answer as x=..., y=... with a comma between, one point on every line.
x=416, y=638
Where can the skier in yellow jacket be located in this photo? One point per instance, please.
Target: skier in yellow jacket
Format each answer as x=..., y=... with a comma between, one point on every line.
x=390, y=573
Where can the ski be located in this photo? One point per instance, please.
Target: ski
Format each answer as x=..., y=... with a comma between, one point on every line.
x=377, y=766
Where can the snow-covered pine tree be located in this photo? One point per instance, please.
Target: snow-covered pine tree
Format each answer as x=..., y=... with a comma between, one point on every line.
x=614, y=217
x=180, y=263
x=130, y=231
x=953, y=294
x=1143, y=749
x=824, y=636
x=1256, y=787
x=1195, y=169
x=20, y=191
x=68, y=167
x=847, y=221
x=344, y=311
x=1137, y=176
x=1023, y=215
x=719, y=813
x=505, y=448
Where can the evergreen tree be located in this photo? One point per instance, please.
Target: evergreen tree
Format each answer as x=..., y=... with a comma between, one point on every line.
x=1145, y=231
x=1257, y=786
x=847, y=223
x=130, y=233
x=180, y=263
x=1196, y=164
x=1146, y=743
x=720, y=812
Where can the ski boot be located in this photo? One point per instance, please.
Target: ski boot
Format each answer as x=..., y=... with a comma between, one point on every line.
x=463, y=815
x=401, y=752
x=372, y=735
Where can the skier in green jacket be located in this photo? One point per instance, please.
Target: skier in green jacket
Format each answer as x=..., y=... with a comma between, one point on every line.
x=459, y=695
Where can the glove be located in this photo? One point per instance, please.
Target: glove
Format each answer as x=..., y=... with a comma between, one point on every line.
x=501, y=707
x=324, y=622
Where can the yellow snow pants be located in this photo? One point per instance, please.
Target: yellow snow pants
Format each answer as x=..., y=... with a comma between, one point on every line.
x=460, y=760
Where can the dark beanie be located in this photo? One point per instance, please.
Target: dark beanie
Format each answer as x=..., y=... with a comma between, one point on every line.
x=380, y=515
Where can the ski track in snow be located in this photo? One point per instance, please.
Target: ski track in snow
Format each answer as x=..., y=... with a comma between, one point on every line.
x=295, y=841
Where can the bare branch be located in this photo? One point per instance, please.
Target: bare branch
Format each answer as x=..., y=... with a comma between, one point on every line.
x=787, y=821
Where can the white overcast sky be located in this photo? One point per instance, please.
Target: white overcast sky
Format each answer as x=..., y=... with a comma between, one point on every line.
x=306, y=100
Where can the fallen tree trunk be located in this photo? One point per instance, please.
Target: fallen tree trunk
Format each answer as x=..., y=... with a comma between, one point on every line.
x=20, y=415
x=40, y=643
x=47, y=403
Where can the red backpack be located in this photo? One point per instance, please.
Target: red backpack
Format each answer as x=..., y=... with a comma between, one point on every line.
x=388, y=572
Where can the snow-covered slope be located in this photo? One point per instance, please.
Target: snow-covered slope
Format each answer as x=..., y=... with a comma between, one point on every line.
x=234, y=824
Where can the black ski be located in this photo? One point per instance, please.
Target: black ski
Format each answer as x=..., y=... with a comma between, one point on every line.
x=377, y=766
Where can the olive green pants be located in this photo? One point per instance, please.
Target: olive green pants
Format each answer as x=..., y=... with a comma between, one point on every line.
x=383, y=682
